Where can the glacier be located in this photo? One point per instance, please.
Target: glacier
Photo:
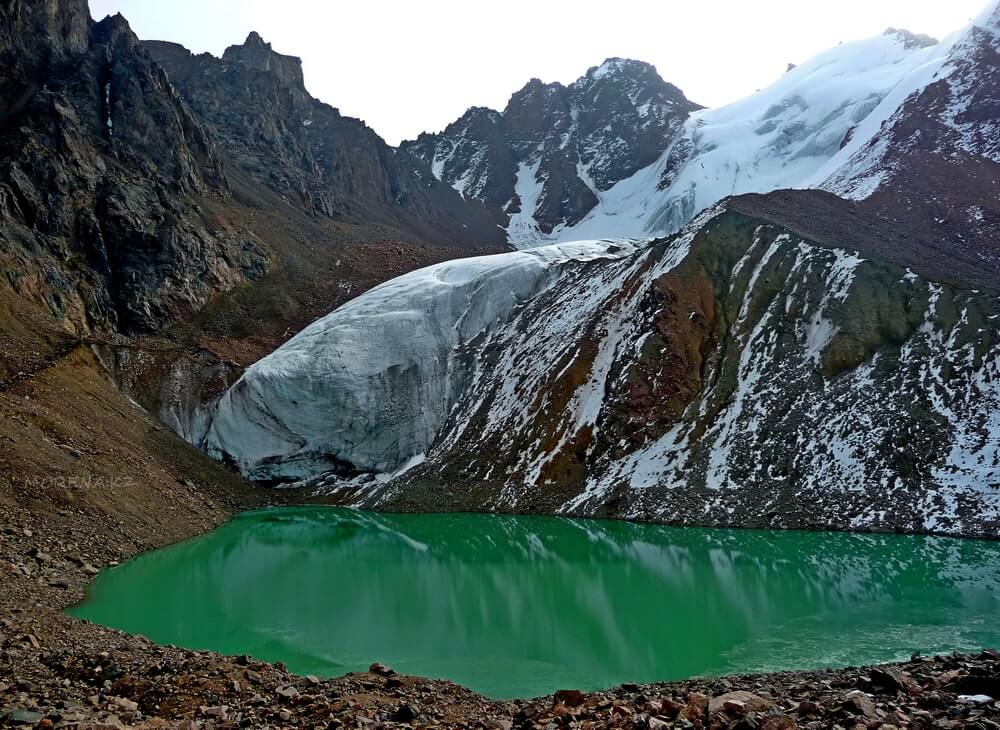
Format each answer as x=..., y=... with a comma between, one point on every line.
x=330, y=397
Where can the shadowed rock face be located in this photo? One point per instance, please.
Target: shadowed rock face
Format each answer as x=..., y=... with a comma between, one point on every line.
x=569, y=140
x=265, y=122
x=106, y=179
x=116, y=203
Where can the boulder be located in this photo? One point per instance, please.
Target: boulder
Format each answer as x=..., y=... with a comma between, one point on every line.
x=696, y=707
x=738, y=703
x=894, y=680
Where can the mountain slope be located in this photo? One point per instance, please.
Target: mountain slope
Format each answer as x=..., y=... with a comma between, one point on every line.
x=737, y=374
x=256, y=105
x=634, y=158
x=545, y=161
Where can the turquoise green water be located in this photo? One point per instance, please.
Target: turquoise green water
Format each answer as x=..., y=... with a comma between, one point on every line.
x=519, y=606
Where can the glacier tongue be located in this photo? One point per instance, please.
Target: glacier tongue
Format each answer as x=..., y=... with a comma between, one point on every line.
x=367, y=388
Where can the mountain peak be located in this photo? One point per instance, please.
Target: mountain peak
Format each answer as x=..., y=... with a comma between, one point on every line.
x=255, y=40
x=637, y=80
x=910, y=39
x=616, y=66
x=256, y=53
x=480, y=112
x=535, y=85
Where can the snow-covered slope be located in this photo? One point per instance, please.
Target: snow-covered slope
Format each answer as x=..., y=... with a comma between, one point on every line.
x=622, y=153
x=929, y=157
x=736, y=373
x=883, y=113
x=947, y=104
x=777, y=138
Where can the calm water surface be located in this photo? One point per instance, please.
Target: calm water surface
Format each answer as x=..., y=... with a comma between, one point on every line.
x=522, y=606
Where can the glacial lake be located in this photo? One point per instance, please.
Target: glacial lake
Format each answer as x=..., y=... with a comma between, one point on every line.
x=523, y=606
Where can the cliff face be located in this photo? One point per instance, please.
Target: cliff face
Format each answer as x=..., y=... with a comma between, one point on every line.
x=736, y=374
x=267, y=126
x=106, y=179
x=117, y=177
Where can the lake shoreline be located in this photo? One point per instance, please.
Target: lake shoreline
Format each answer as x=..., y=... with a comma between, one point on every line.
x=72, y=672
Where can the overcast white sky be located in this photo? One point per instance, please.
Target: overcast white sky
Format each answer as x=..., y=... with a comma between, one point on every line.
x=407, y=66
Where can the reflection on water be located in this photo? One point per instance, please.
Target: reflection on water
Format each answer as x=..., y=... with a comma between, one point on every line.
x=518, y=606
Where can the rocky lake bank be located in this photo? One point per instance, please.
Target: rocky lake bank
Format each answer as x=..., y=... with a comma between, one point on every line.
x=56, y=671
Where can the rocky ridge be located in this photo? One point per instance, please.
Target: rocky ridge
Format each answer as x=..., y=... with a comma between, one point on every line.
x=138, y=182
x=255, y=103
x=546, y=158
x=132, y=230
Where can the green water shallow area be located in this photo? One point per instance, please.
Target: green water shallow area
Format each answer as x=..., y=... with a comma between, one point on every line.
x=523, y=606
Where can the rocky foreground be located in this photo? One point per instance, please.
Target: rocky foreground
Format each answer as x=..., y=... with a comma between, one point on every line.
x=59, y=672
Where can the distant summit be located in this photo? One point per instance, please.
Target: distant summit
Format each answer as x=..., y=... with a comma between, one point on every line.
x=257, y=54
x=912, y=40
x=544, y=161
